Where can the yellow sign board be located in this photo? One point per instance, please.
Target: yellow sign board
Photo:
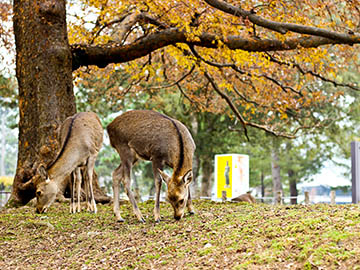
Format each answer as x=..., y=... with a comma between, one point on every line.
x=231, y=175
x=224, y=176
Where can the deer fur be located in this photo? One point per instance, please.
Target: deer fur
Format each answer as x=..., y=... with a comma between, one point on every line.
x=247, y=197
x=81, y=139
x=149, y=135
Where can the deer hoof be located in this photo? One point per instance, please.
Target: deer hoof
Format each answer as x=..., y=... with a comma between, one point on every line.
x=119, y=218
x=157, y=220
x=142, y=220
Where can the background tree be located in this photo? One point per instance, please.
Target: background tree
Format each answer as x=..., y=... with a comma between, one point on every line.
x=245, y=57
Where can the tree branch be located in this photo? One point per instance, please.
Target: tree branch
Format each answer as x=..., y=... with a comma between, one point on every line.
x=283, y=28
x=176, y=82
x=229, y=102
x=242, y=120
x=101, y=56
x=237, y=69
x=312, y=73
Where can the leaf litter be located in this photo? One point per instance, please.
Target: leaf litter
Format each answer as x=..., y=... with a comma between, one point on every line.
x=219, y=236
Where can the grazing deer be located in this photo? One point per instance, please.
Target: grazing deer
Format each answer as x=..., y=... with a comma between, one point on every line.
x=149, y=135
x=81, y=139
x=247, y=197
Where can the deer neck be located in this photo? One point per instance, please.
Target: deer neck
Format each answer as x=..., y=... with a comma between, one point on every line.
x=62, y=168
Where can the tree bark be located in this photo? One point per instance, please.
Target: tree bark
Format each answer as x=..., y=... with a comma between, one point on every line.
x=44, y=74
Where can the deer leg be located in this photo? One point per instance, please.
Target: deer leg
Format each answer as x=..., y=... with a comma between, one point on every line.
x=117, y=175
x=90, y=170
x=78, y=189
x=158, y=183
x=86, y=190
x=72, y=191
x=130, y=194
x=189, y=203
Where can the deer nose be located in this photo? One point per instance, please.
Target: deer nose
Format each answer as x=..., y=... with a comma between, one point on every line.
x=40, y=210
x=177, y=217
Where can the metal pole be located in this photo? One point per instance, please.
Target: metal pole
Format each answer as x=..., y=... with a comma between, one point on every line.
x=355, y=171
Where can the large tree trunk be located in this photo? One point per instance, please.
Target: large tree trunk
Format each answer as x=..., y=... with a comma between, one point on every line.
x=207, y=181
x=293, y=188
x=46, y=98
x=291, y=175
x=262, y=178
x=194, y=187
x=275, y=171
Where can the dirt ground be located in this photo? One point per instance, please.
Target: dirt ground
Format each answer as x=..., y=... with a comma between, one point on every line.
x=220, y=236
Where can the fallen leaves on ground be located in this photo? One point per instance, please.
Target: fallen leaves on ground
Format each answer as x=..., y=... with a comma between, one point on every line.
x=219, y=236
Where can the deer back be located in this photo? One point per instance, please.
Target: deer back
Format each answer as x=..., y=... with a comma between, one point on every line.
x=154, y=136
x=81, y=135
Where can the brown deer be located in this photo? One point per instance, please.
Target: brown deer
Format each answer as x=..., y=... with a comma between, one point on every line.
x=149, y=135
x=247, y=197
x=81, y=139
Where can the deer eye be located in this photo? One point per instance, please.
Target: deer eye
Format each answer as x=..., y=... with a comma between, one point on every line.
x=181, y=201
x=38, y=193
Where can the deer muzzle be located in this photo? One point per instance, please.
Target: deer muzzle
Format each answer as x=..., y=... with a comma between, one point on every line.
x=41, y=210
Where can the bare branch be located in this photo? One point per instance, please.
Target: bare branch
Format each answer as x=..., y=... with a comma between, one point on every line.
x=176, y=82
x=283, y=28
x=237, y=69
x=130, y=20
x=304, y=72
x=126, y=22
x=187, y=97
x=98, y=32
x=229, y=102
x=247, y=123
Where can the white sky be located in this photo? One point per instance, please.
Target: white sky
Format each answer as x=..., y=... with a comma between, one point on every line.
x=331, y=175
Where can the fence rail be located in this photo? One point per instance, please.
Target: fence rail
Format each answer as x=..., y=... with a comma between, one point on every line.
x=305, y=198
x=279, y=199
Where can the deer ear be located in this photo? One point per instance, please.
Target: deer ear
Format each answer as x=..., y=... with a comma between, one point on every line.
x=42, y=171
x=164, y=176
x=187, y=178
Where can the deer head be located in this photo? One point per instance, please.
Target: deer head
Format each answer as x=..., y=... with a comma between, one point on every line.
x=45, y=195
x=46, y=190
x=177, y=191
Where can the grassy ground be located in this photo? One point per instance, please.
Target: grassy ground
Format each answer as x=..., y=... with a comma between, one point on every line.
x=219, y=236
